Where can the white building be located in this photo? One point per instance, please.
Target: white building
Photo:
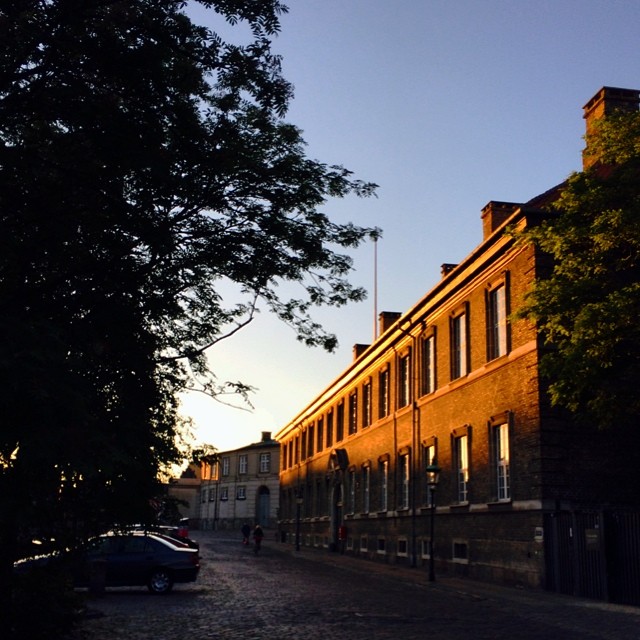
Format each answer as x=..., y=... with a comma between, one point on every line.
x=241, y=486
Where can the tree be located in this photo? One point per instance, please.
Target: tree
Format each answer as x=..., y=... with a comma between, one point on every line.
x=588, y=308
x=145, y=166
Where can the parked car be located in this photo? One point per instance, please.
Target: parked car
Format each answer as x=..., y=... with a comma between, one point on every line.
x=124, y=559
x=138, y=559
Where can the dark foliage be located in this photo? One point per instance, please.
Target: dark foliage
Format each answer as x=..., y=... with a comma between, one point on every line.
x=145, y=167
x=588, y=309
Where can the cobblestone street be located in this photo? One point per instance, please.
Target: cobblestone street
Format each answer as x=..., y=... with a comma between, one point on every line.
x=283, y=594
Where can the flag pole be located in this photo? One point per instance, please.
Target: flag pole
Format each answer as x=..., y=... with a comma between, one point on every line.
x=375, y=289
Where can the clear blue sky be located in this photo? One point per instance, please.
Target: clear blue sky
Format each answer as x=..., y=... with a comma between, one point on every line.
x=446, y=104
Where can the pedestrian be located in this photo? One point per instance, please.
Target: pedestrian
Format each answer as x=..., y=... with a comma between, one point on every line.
x=246, y=531
x=258, y=534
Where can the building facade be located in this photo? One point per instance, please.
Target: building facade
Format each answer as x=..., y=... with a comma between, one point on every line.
x=185, y=490
x=241, y=486
x=454, y=383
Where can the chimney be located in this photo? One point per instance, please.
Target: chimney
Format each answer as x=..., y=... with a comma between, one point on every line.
x=495, y=214
x=386, y=319
x=447, y=268
x=358, y=350
x=607, y=101
x=266, y=436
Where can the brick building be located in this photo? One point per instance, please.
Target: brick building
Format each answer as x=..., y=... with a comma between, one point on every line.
x=241, y=486
x=455, y=380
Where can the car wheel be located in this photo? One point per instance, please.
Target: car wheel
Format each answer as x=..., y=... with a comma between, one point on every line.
x=160, y=581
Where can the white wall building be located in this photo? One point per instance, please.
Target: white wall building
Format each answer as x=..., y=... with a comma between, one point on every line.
x=241, y=486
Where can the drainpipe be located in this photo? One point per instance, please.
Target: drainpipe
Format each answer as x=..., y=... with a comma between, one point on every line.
x=215, y=505
x=413, y=474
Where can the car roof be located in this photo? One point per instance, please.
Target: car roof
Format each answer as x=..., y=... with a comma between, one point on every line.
x=147, y=534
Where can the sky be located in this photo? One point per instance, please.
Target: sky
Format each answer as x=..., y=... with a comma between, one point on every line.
x=446, y=105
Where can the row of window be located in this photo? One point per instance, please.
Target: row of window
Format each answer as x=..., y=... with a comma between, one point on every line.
x=330, y=428
x=381, y=544
x=209, y=494
x=224, y=465
x=368, y=489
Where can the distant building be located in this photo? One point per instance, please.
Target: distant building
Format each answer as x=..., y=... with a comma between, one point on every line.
x=524, y=497
x=186, y=490
x=241, y=486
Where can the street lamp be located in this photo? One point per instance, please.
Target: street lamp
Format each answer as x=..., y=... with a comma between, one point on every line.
x=433, y=476
x=298, y=507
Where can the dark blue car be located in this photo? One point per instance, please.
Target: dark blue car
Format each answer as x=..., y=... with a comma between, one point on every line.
x=137, y=559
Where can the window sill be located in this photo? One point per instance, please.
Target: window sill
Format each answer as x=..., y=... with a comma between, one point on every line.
x=500, y=505
x=403, y=409
x=496, y=361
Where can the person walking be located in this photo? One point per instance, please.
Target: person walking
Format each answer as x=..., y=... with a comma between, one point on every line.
x=246, y=532
x=258, y=534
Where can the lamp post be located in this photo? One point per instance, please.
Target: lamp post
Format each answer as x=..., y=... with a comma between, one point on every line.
x=298, y=507
x=433, y=476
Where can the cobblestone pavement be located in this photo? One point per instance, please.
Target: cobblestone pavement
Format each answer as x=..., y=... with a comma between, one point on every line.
x=282, y=594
